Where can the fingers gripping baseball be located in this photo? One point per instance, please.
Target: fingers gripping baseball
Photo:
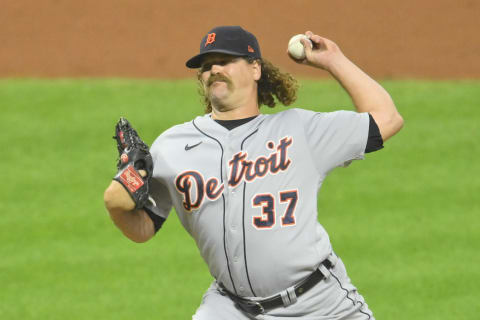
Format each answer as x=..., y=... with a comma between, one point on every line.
x=320, y=52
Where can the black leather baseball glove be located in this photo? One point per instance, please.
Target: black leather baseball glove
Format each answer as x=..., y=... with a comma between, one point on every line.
x=134, y=155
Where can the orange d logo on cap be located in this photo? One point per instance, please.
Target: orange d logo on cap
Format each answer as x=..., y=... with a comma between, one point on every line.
x=210, y=39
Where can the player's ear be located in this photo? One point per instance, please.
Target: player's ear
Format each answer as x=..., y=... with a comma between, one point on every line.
x=256, y=70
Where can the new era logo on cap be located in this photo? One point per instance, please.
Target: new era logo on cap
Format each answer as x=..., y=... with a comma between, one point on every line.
x=233, y=40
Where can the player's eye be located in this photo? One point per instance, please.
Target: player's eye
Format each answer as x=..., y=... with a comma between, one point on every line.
x=228, y=60
x=206, y=67
x=220, y=62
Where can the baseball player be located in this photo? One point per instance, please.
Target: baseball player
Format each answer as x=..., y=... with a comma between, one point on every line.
x=244, y=184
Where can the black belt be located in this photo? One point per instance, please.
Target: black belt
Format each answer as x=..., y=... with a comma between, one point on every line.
x=261, y=306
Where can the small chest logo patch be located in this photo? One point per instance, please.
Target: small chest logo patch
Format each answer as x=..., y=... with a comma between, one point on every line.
x=187, y=147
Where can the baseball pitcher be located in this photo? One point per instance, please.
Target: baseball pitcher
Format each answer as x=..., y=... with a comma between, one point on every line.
x=244, y=184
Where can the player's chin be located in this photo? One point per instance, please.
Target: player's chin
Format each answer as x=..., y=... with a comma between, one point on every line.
x=220, y=101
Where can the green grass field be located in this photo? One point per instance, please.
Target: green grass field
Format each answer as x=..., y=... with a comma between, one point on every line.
x=406, y=221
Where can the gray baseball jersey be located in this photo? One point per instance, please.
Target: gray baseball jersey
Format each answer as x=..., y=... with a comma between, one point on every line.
x=248, y=196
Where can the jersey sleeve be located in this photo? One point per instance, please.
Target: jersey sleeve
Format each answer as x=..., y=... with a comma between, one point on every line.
x=375, y=141
x=158, y=209
x=160, y=203
x=335, y=138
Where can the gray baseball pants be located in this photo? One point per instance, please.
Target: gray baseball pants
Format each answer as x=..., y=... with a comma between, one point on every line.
x=334, y=298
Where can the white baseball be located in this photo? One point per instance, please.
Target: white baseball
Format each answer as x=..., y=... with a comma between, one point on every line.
x=295, y=47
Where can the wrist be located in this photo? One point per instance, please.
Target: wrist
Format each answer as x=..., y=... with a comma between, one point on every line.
x=117, y=198
x=337, y=65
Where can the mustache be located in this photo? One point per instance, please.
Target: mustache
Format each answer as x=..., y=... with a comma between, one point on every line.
x=217, y=77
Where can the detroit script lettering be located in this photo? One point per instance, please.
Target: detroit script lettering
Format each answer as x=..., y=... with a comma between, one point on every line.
x=191, y=182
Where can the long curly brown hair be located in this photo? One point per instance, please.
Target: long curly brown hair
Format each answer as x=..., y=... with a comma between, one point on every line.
x=272, y=84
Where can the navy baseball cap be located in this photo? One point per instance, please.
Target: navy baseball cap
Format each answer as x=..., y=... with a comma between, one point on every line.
x=233, y=40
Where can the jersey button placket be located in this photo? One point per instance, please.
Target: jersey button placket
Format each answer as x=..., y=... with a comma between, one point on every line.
x=234, y=240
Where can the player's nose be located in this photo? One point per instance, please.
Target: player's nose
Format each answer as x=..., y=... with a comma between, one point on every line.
x=216, y=68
